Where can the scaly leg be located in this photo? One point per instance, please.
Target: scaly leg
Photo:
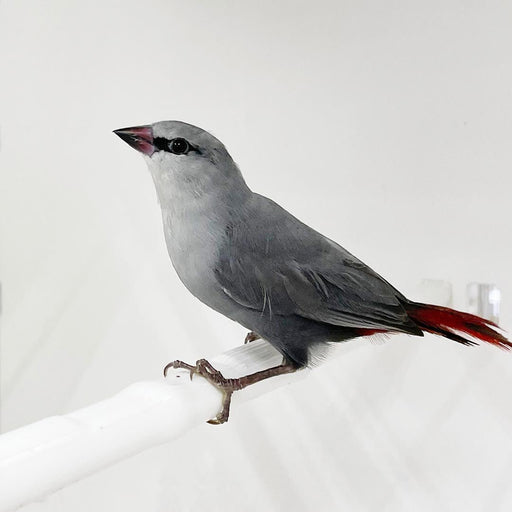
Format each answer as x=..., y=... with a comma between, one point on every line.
x=228, y=386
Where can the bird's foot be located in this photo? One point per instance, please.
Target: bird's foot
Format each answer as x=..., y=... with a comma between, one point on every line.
x=215, y=378
x=251, y=336
x=228, y=386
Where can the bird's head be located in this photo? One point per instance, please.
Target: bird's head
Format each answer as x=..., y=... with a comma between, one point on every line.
x=184, y=160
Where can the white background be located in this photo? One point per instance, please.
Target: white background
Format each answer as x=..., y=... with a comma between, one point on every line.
x=385, y=125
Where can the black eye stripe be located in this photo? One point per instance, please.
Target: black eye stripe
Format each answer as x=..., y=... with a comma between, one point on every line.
x=162, y=144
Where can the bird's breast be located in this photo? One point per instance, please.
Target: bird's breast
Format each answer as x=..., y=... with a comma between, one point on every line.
x=193, y=244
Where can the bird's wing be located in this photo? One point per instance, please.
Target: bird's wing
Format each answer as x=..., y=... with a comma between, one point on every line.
x=285, y=268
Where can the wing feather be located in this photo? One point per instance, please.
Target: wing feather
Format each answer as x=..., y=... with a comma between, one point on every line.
x=294, y=270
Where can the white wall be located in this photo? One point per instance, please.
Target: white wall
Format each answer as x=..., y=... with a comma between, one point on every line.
x=385, y=125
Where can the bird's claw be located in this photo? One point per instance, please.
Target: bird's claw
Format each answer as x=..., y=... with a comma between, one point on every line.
x=228, y=386
x=251, y=336
x=179, y=365
x=214, y=377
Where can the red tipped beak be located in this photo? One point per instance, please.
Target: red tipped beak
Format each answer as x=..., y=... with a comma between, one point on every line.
x=138, y=137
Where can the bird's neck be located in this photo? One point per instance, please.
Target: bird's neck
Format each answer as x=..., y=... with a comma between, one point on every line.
x=199, y=213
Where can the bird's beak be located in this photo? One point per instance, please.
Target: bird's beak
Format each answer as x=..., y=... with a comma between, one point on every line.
x=139, y=137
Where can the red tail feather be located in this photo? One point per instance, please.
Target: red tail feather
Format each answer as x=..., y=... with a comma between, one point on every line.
x=447, y=322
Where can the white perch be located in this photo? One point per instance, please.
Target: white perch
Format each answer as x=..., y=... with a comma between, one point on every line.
x=41, y=458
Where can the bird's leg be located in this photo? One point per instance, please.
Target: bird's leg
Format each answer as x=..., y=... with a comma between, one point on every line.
x=228, y=386
x=251, y=336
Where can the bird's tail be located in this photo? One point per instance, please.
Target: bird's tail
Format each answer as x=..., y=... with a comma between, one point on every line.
x=449, y=323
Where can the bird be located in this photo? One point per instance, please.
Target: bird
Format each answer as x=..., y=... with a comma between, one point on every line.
x=249, y=259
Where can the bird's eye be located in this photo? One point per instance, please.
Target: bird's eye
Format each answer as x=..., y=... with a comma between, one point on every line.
x=179, y=146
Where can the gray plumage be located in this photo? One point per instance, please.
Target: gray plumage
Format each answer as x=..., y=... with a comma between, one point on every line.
x=249, y=259
x=297, y=288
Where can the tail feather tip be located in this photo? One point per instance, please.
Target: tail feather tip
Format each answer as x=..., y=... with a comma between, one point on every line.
x=449, y=322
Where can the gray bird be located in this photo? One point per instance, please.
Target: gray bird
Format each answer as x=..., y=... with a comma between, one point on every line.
x=249, y=259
